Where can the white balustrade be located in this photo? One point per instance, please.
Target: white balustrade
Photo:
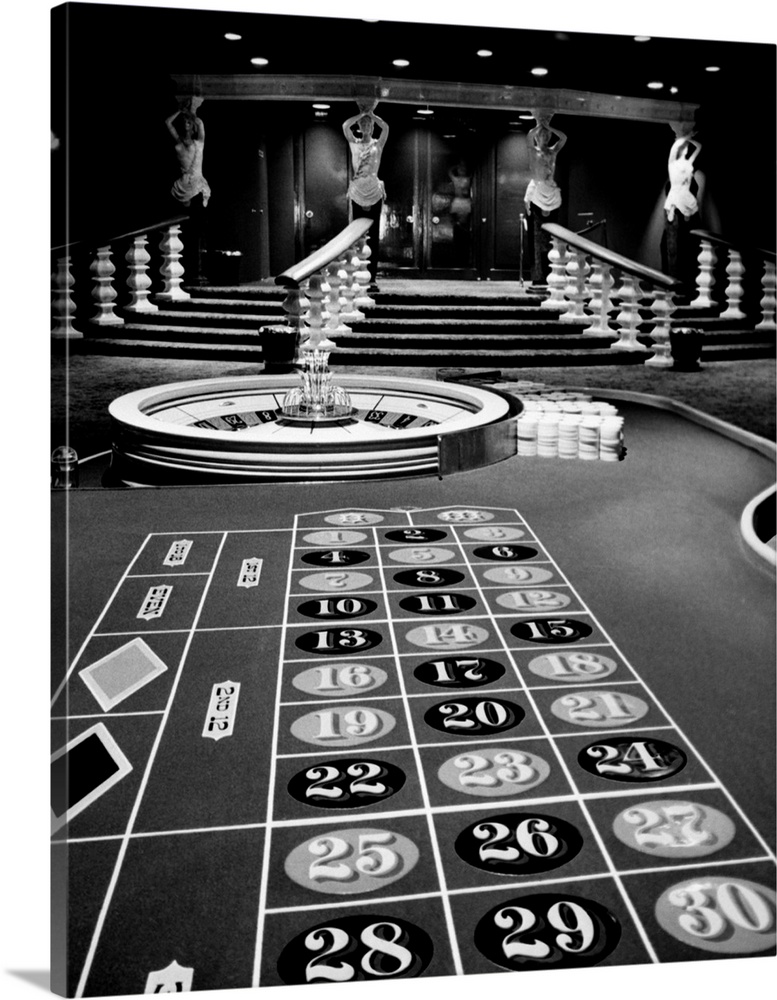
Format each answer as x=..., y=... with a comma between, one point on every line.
x=768, y=300
x=62, y=305
x=348, y=311
x=576, y=291
x=103, y=292
x=334, y=324
x=362, y=275
x=138, y=281
x=557, y=278
x=628, y=320
x=735, y=271
x=705, y=279
x=600, y=284
x=172, y=270
x=662, y=306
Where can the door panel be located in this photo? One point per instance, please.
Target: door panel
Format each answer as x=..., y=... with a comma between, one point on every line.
x=323, y=203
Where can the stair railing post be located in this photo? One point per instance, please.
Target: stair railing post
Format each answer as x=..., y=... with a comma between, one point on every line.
x=628, y=320
x=294, y=306
x=334, y=324
x=362, y=275
x=600, y=283
x=768, y=300
x=662, y=306
x=557, y=278
x=348, y=312
x=171, y=269
x=103, y=292
x=63, y=307
x=705, y=279
x=734, y=291
x=138, y=281
x=576, y=291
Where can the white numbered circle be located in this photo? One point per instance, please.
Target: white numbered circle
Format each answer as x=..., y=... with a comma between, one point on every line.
x=340, y=680
x=334, y=537
x=356, y=860
x=612, y=709
x=493, y=772
x=343, y=726
x=493, y=532
x=335, y=581
x=464, y=516
x=573, y=668
x=421, y=555
x=460, y=635
x=673, y=828
x=354, y=517
x=531, y=600
x=518, y=574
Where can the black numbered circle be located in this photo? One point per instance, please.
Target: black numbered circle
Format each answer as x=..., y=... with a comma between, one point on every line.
x=547, y=930
x=416, y=535
x=473, y=716
x=339, y=641
x=506, y=553
x=428, y=577
x=437, y=604
x=360, y=948
x=350, y=783
x=518, y=843
x=632, y=758
x=551, y=630
x=337, y=607
x=335, y=557
x=459, y=671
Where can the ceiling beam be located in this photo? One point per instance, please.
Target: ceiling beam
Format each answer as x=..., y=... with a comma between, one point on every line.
x=265, y=87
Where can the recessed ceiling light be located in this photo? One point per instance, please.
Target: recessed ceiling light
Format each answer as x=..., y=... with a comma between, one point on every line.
x=673, y=90
x=400, y=62
x=655, y=85
x=539, y=71
x=484, y=53
x=642, y=38
x=232, y=37
x=712, y=69
x=320, y=114
x=526, y=118
x=424, y=111
x=322, y=107
x=260, y=61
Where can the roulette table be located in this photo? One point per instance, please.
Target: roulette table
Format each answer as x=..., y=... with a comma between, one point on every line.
x=518, y=718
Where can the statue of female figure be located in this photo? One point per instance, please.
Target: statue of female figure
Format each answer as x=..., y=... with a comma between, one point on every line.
x=681, y=158
x=542, y=191
x=189, y=138
x=366, y=192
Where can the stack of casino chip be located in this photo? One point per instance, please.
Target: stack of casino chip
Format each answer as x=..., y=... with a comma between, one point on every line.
x=568, y=434
x=547, y=435
x=527, y=432
x=611, y=439
x=588, y=438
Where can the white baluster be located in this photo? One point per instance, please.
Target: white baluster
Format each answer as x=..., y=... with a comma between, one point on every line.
x=557, y=278
x=348, y=312
x=313, y=331
x=294, y=306
x=734, y=291
x=705, y=279
x=138, y=281
x=362, y=275
x=576, y=292
x=62, y=306
x=662, y=306
x=601, y=283
x=103, y=292
x=172, y=268
x=628, y=319
x=768, y=302
x=334, y=325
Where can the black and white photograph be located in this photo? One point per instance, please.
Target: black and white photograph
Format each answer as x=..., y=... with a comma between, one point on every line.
x=407, y=497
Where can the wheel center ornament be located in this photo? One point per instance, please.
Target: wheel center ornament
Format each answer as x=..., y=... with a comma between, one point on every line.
x=317, y=399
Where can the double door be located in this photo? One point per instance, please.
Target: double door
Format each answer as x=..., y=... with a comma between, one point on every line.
x=453, y=207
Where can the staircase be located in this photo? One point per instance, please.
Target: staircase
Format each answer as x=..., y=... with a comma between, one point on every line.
x=412, y=324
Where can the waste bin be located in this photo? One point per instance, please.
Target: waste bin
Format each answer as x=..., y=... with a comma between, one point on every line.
x=279, y=346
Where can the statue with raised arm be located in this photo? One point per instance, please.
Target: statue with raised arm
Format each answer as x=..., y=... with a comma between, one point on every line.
x=366, y=191
x=681, y=159
x=189, y=136
x=542, y=191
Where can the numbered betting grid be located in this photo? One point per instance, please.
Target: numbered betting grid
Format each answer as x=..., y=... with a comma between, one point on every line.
x=458, y=770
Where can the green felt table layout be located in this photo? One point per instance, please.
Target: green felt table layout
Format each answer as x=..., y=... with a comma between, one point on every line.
x=520, y=718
